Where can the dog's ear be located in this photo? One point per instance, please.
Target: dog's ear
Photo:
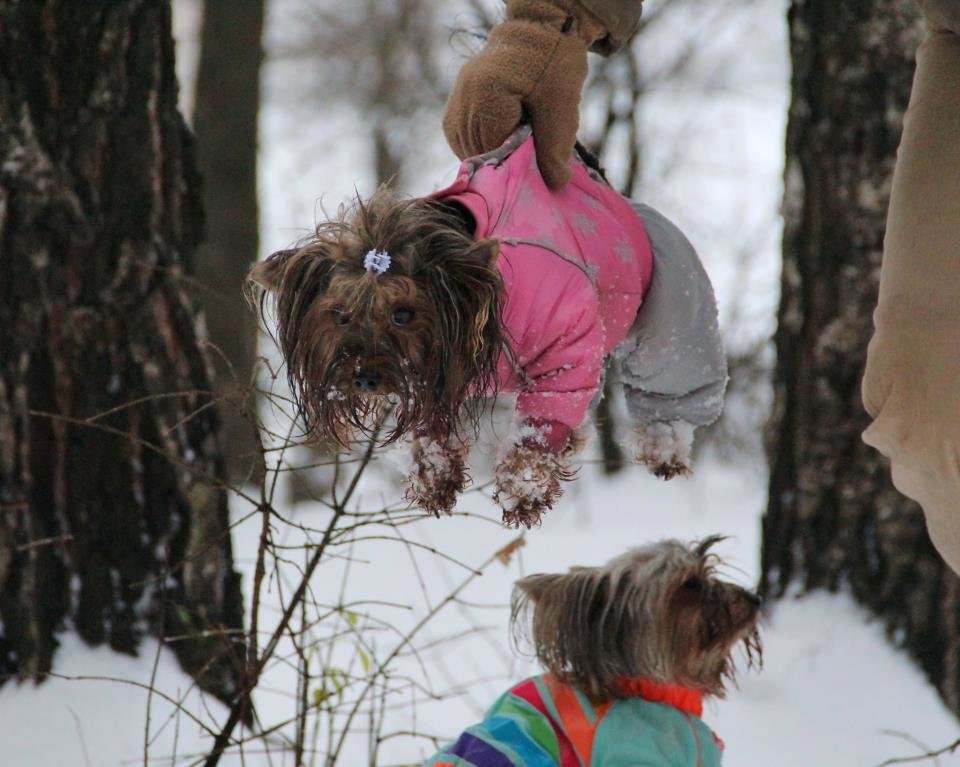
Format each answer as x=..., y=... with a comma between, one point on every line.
x=268, y=274
x=702, y=548
x=485, y=252
x=583, y=626
x=466, y=289
x=468, y=264
x=533, y=587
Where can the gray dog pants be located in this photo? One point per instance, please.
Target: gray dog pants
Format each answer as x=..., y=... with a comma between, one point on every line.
x=672, y=364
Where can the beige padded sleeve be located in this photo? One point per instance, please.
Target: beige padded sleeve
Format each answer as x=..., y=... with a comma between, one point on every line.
x=912, y=383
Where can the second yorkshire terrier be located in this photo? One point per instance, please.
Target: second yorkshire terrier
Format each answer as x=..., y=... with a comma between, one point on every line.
x=630, y=649
x=498, y=284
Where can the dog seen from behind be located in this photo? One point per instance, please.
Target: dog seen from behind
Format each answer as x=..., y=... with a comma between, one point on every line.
x=630, y=651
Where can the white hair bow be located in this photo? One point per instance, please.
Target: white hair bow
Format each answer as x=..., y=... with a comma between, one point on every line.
x=377, y=261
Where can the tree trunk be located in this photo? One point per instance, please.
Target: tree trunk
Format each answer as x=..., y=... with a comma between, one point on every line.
x=113, y=520
x=610, y=451
x=387, y=88
x=225, y=122
x=834, y=520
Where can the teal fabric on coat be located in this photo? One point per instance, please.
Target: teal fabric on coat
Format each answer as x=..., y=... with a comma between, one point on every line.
x=636, y=733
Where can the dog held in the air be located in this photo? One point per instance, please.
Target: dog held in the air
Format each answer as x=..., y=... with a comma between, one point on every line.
x=432, y=306
x=630, y=651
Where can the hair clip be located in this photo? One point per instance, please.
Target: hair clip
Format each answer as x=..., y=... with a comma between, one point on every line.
x=377, y=261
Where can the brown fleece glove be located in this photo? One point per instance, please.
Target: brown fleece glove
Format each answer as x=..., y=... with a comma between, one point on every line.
x=535, y=62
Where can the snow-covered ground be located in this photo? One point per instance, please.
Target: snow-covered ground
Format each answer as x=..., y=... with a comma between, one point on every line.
x=832, y=694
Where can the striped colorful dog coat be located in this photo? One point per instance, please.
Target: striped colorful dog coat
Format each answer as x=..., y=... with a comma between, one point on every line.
x=544, y=723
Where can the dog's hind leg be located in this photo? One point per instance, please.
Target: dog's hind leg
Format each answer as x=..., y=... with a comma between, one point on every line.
x=672, y=364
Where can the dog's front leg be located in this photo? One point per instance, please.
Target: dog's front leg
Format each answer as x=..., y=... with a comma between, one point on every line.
x=529, y=478
x=438, y=473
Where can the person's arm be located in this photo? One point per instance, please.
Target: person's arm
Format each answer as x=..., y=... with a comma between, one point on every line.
x=911, y=387
x=534, y=66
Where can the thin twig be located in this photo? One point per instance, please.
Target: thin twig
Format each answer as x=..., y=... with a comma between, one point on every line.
x=42, y=541
x=153, y=682
x=90, y=678
x=924, y=757
x=332, y=758
x=223, y=737
x=83, y=741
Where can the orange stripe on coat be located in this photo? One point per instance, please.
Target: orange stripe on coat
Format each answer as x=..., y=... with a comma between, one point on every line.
x=574, y=721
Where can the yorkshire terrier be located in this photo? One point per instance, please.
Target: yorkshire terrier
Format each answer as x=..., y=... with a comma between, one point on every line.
x=630, y=651
x=429, y=307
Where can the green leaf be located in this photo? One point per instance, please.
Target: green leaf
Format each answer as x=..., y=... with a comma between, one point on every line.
x=364, y=660
x=339, y=679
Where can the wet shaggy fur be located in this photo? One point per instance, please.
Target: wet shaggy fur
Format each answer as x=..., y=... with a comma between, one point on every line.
x=658, y=612
x=423, y=338
x=664, y=448
x=528, y=484
x=528, y=479
x=438, y=475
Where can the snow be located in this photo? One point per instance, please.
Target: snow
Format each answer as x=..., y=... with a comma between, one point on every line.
x=841, y=694
x=833, y=689
x=94, y=722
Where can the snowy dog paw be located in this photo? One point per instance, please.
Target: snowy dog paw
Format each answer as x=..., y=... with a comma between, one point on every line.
x=664, y=448
x=437, y=474
x=528, y=484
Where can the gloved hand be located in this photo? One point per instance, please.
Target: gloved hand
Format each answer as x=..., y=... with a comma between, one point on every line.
x=535, y=62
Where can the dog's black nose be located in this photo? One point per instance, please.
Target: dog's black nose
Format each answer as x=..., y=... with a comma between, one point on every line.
x=366, y=380
x=755, y=599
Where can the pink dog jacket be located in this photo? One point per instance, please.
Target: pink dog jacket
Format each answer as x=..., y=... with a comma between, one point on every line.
x=576, y=265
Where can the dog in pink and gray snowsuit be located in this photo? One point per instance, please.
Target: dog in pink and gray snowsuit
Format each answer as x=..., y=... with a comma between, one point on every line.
x=499, y=284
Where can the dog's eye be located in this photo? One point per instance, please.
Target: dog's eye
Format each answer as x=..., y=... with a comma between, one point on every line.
x=340, y=317
x=692, y=584
x=402, y=316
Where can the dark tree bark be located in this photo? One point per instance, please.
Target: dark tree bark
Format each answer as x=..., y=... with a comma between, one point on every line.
x=834, y=520
x=112, y=516
x=387, y=89
x=225, y=122
x=610, y=451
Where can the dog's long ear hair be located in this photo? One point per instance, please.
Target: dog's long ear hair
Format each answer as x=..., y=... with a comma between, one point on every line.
x=293, y=280
x=467, y=291
x=584, y=628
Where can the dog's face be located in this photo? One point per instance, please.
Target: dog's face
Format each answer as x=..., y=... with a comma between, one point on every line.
x=372, y=334
x=421, y=334
x=658, y=612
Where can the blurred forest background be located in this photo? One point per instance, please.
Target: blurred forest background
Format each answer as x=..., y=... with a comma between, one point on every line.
x=295, y=106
